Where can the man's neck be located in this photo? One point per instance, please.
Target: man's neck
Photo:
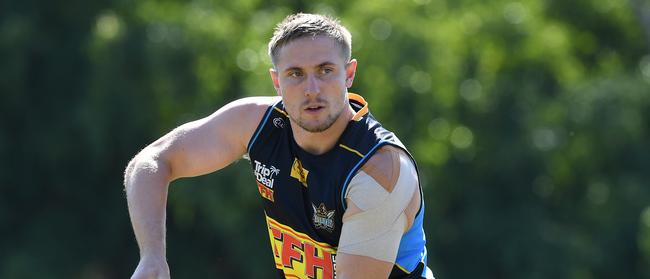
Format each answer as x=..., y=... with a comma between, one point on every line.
x=321, y=142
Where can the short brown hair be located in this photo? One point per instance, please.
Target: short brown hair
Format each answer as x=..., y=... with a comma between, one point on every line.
x=301, y=25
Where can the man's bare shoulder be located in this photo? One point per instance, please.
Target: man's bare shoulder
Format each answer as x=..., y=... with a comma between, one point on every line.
x=384, y=166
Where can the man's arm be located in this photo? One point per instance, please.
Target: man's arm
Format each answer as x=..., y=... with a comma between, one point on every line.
x=192, y=149
x=383, y=199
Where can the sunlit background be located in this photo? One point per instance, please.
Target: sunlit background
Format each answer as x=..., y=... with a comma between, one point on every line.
x=530, y=121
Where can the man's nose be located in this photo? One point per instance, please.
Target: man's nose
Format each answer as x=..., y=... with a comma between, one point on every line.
x=313, y=85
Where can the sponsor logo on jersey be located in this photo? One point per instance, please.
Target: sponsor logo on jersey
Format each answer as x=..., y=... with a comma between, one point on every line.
x=323, y=218
x=278, y=122
x=265, y=177
x=299, y=172
x=298, y=255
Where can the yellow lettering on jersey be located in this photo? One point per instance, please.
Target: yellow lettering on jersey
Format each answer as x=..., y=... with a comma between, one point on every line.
x=298, y=172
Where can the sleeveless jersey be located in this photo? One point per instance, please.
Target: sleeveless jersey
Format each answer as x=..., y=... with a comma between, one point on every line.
x=304, y=194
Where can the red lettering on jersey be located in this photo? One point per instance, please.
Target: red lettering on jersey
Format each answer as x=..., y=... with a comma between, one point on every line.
x=277, y=234
x=313, y=261
x=288, y=251
x=265, y=191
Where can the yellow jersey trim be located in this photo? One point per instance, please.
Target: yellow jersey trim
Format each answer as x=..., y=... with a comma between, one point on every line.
x=403, y=269
x=351, y=150
x=281, y=111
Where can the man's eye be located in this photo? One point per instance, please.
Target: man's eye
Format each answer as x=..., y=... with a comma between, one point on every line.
x=326, y=70
x=295, y=74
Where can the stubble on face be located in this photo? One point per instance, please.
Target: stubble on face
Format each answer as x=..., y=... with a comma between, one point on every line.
x=329, y=120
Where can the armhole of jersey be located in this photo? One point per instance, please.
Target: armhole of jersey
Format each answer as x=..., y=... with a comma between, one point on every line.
x=365, y=159
x=415, y=165
x=355, y=169
x=260, y=127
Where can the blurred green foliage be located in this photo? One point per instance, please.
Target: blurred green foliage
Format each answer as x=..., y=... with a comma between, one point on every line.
x=530, y=121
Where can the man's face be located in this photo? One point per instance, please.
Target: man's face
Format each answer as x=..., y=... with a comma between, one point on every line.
x=312, y=77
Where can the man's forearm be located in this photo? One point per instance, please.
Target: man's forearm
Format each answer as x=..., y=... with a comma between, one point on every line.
x=146, y=182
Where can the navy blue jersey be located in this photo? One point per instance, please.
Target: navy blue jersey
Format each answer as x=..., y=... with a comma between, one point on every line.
x=303, y=194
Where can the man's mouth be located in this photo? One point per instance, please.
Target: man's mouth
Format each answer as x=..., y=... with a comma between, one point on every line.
x=314, y=108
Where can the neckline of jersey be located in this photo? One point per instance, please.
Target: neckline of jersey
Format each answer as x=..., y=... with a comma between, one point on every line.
x=363, y=111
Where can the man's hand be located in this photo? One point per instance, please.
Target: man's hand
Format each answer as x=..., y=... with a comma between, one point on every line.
x=150, y=268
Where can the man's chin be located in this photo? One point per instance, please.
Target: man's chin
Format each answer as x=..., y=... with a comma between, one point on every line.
x=315, y=127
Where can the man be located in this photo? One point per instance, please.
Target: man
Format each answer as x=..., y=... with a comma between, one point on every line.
x=341, y=193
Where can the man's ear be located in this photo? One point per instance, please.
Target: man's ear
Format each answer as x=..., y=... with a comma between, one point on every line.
x=276, y=81
x=350, y=70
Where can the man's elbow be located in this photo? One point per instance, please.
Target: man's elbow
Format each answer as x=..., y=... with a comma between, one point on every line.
x=128, y=171
x=146, y=162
